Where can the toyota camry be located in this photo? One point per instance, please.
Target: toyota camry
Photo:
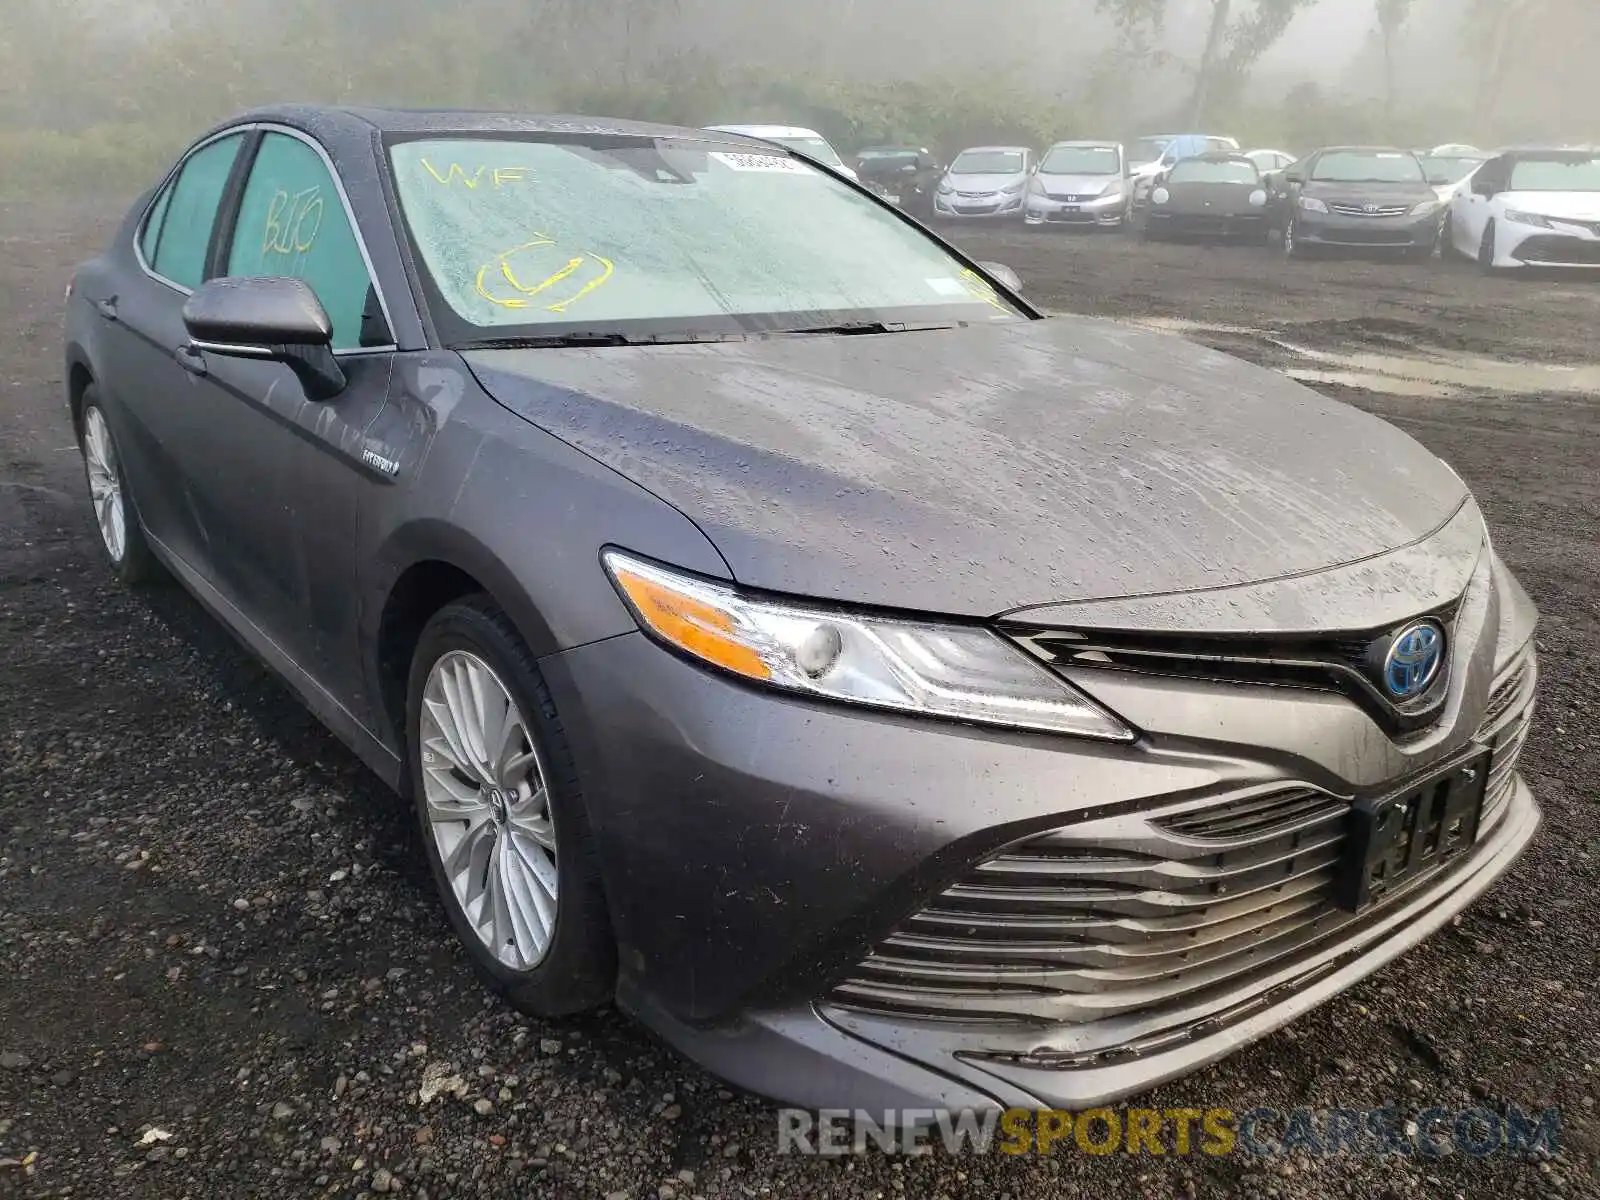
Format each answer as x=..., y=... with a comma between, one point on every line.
x=891, y=695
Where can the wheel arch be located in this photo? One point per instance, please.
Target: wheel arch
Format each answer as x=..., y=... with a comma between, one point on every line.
x=80, y=378
x=426, y=566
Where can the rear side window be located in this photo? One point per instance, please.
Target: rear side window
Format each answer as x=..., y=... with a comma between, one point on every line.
x=189, y=210
x=152, y=225
x=292, y=221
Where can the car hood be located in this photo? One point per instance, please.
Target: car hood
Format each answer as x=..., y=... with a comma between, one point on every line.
x=1380, y=193
x=984, y=183
x=980, y=470
x=1076, y=185
x=1582, y=206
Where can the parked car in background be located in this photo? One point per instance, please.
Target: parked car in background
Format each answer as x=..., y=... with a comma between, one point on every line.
x=903, y=175
x=984, y=183
x=1177, y=148
x=803, y=141
x=1144, y=151
x=1083, y=183
x=1449, y=168
x=1269, y=161
x=1209, y=196
x=1358, y=198
x=1529, y=208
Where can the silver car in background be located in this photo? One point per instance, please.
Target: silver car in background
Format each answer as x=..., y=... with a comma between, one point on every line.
x=984, y=182
x=1085, y=183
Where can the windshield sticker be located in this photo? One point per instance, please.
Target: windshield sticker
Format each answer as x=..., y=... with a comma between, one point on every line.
x=528, y=275
x=948, y=286
x=761, y=162
x=499, y=177
x=982, y=289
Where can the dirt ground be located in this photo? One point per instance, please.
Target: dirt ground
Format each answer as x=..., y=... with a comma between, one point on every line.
x=222, y=972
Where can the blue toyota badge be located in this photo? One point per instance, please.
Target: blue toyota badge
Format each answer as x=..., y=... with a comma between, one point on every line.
x=1412, y=664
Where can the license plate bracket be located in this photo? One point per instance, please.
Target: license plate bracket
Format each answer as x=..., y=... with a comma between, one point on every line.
x=1396, y=838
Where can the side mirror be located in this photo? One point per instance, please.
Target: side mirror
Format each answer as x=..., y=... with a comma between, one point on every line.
x=1004, y=274
x=1483, y=187
x=268, y=317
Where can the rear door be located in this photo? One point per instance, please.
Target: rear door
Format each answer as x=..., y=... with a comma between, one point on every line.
x=151, y=402
x=287, y=474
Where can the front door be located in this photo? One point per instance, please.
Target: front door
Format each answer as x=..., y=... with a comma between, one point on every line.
x=284, y=475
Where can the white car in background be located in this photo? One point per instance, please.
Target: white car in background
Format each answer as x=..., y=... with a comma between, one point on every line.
x=984, y=183
x=1529, y=208
x=803, y=141
x=1451, y=168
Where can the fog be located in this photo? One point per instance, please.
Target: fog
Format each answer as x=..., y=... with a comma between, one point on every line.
x=90, y=88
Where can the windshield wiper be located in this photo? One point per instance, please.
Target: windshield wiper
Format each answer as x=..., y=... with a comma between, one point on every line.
x=590, y=338
x=865, y=327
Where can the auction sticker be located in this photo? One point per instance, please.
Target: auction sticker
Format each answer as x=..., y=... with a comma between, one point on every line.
x=761, y=162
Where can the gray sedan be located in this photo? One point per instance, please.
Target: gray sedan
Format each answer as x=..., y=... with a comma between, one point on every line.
x=893, y=696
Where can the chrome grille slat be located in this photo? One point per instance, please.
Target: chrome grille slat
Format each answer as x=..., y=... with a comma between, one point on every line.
x=1145, y=910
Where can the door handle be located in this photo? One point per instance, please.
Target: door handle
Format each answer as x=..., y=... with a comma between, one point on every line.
x=107, y=308
x=191, y=360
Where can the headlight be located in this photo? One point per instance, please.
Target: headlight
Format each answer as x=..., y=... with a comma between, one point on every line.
x=1426, y=207
x=1035, y=188
x=945, y=187
x=1258, y=199
x=1011, y=189
x=1108, y=189
x=1312, y=204
x=957, y=671
x=1526, y=218
x=1160, y=196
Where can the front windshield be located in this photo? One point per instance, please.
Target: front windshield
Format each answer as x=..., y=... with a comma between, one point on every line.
x=1449, y=168
x=1148, y=150
x=1200, y=170
x=1082, y=160
x=1368, y=166
x=625, y=234
x=812, y=147
x=987, y=162
x=1556, y=175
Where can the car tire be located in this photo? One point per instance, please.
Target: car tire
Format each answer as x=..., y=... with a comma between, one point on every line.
x=1291, y=244
x=116, y=517
x=493, y=845
x=1486, y=250
x=1447, y=239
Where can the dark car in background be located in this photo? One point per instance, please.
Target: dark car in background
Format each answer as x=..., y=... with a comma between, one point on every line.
x=1369, y=198
x=1218, y=196
x=893, y=696
x=903, y=175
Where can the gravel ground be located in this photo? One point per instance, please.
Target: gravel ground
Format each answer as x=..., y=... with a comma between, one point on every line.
x=222, y=971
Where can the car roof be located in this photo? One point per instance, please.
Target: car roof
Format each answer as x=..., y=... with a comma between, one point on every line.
x=768, y=131
x=1218, y=156
x=988, y=149
x=1087, y=143
x=1365, y=150
x=343, y=119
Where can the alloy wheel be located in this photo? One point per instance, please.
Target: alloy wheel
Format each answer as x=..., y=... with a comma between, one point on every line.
x=488, y=808
x=105, y=484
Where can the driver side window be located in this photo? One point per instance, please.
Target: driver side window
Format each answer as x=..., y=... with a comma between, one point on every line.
x=293, y=222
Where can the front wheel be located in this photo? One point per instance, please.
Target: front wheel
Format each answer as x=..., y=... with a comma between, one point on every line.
x=1486, y=250
x=1291, y=240
x=121, y=536
x=503, y=821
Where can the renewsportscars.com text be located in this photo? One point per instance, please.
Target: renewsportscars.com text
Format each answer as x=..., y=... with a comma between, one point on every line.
x=1259, y=1132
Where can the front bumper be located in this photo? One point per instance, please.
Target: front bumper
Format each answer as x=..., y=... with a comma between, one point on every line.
x=955, y=207
x=768, y=861
x=1162, y=222
x=1567, y=246
x=1102, y=212
x=1338, y=232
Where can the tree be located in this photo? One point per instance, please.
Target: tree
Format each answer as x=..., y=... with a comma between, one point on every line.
x=1238, y=33
x=1392, y=15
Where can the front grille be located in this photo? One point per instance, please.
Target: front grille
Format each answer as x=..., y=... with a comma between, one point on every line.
x=1145, y=912
x=1559, y=250
x=1382, y=210
x=1333, y=662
